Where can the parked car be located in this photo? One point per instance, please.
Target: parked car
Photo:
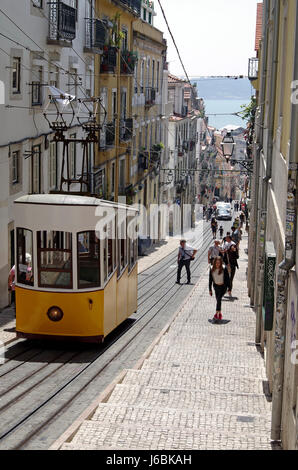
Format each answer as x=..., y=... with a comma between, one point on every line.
x=224, y=213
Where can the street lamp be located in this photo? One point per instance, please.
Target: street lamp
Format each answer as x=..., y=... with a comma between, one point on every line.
x=228, y=145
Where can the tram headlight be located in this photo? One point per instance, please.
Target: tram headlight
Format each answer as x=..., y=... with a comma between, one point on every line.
x=55, y=314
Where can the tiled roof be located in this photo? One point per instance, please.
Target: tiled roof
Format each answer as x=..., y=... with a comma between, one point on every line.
x=259, y=25
x=174, y=79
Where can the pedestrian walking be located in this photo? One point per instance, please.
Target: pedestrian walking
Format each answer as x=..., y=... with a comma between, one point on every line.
x=220, y=280
x=228, y=242
x=235, y=235
x=11, y=284
x=214, y=252
x=221, y=231
x=214, y=227
x=242, y=218
x=186, y=254
x=231, y=257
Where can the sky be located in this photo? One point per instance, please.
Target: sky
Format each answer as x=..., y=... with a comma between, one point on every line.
x=215, y=37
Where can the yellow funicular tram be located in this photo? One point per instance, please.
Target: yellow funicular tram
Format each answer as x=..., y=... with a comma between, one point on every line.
x=73, y=279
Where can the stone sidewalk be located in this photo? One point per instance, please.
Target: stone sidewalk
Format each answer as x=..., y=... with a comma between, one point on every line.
x=201, y=386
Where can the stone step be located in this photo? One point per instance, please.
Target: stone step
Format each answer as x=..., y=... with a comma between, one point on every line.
x=209, y=356
x=185, y=419
x=193, y=382
x=182, y=399
x=205, y=341
x=94, y=435
x=183, y=367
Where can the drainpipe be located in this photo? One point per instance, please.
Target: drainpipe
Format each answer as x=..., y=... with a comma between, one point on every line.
x=285, y=267
x=258, y=147
x=266, y=179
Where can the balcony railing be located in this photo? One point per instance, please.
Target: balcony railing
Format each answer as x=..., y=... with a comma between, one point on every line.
x=108, y=59
x=253, y=68
x=95, y=34
x=128, y=62
x=133, y=5
x=150, y=96
x=62, y=22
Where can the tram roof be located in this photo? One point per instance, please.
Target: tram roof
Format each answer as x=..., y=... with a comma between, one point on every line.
x=69, y=200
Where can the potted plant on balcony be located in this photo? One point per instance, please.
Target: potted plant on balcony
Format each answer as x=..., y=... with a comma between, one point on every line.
x=128, y=61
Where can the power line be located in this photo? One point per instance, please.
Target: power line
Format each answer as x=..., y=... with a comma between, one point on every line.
x=173, y=39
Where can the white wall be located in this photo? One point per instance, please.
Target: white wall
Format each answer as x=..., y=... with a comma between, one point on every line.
x=28, y=126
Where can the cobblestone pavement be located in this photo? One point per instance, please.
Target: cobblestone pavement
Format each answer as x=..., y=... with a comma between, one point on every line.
x=7, y=325
x=202, y=387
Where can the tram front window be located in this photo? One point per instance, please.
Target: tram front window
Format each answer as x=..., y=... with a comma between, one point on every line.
x=55, y=259
x=88, y=260
x=25, y=256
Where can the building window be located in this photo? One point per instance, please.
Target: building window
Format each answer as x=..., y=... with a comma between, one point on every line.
x=25, y=256
x=37, y=87
x=73, y=82
x=114, y=104
x=16, y=75
x=54, y=77
x=153, y=73
x=124, y=45
x=88, y=260
x=15, y=167
x=142, y=77
x=73, y=157
x=35, y=170
x=113, y=179
x=53, y=165
x=157, y=77
x=122, y=176
x=144, y=14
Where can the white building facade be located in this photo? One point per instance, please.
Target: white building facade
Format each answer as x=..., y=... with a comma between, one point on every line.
x=42, y=44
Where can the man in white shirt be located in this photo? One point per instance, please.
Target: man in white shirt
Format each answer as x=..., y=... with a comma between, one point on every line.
x=186, y=254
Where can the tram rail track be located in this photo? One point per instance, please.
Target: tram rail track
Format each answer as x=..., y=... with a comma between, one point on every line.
x=133, y=330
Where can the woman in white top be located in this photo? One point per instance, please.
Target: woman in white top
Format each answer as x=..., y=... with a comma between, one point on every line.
x=220, y=280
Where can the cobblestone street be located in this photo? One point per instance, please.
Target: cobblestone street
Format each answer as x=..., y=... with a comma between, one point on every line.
x=203, y=386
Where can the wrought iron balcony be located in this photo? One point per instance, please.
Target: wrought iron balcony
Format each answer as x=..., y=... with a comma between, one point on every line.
x=95, y=34
x=253, y=68
x=62, y=23
x=128, y=62
x=150, y=96
x=109, y=59
x=133, y=5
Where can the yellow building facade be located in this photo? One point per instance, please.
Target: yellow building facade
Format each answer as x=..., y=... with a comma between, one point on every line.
x=114, y=69
x=272, y=274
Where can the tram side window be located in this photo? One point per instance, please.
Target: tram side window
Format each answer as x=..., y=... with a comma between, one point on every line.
x=122, y=247
x=25, y=256
x=88, y=260
x=133, y=253
x=111, y=248
x=105, y=257
x=132, y=244
x=55, y=259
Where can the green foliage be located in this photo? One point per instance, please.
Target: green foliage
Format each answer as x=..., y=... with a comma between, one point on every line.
x=249, y=111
